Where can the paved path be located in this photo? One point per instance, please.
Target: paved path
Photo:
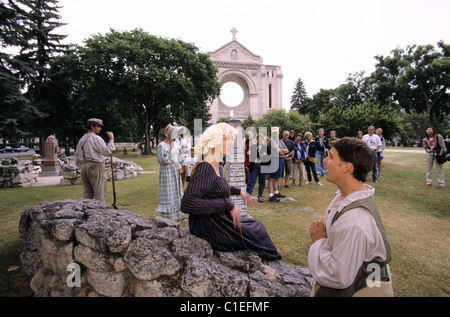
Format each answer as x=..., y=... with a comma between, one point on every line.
x=48, y=180
x=56, y=180
x=406, y=151
x=16, y=154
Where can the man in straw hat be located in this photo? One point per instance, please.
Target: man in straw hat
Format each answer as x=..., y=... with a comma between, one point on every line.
x=89, y=158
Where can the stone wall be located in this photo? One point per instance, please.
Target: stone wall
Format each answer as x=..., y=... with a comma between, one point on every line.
x=22, y=174
x=122, y=169
x=116, y=253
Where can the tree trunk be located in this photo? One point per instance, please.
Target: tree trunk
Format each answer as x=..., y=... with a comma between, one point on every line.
x=147, y=148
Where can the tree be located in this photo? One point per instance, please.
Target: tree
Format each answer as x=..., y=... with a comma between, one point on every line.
x=15, y=108
x=347, y=121
x=299, y=97
x=384, y=81
x=413, y=127
x=347, y=94
x=291, y=120
x=29, y=25
x=416, y=79
x=151, y=76
x=428, y=77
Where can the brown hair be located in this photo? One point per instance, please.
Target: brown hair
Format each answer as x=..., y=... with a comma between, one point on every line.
x=357, y=152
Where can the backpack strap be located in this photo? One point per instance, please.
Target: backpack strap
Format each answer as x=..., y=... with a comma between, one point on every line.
x=370, y=205
x=362, y=274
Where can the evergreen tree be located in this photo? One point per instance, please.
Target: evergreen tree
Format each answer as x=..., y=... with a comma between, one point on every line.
x=36, y=21
x=15, y=108
x=299, y=97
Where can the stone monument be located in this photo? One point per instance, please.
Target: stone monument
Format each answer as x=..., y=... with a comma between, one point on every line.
x=234, y=167
x=50, y=164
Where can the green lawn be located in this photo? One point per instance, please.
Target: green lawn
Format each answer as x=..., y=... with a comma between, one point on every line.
x=417, y=220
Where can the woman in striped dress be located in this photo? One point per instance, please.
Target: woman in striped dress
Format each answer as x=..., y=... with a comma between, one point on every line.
x=169, y=157
x=212, y=214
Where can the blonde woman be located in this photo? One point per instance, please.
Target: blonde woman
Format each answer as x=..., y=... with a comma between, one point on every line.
x=213, y=216
x=310, y=163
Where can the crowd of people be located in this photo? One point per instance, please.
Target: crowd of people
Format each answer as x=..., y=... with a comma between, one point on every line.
x=348, y=245
x=300, y=159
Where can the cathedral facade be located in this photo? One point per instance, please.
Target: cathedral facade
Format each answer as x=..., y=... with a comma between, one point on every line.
x=261, y=84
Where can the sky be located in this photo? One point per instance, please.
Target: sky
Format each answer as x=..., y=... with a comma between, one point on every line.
x=319, y=41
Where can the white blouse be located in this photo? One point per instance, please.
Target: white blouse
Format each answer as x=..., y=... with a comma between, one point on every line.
x=353, y=239
x=93, y=147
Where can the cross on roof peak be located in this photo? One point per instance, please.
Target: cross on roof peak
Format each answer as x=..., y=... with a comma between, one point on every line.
x=233, y=31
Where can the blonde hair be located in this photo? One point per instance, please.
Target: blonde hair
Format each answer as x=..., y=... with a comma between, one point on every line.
x=308, y=134
x=213, y=137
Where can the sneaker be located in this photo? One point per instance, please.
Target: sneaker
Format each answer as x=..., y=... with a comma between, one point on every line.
x=279, y=195
x=287, y=186
x=260, y=199
x=274, y=199
x=428, y=185
x=442, y=186
x=308, y=182
x=319, y=183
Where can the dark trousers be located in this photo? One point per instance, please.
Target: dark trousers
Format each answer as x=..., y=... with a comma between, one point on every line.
x=375, y=167
x=255, y=172
x=311, y=167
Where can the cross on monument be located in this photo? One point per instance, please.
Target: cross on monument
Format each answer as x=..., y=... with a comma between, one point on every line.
x=233, y=31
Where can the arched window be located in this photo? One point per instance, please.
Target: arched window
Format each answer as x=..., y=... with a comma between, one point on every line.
x=270, y=95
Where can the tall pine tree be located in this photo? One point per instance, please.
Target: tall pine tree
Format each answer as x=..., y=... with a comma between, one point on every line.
x=36, y=22
x=299, y=97
x=14, y=108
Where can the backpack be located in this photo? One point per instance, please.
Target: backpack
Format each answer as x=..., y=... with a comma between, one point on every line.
x=440, y=159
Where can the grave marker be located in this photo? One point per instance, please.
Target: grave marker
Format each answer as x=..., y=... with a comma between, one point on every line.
x=50, y=164
x=234, y=167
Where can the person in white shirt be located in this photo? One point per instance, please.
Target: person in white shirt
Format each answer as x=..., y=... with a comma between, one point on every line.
x=184, y=144
x=374, y=142
x=351, y=240
x=89, y=158
x=380, y=155
x=189, y=164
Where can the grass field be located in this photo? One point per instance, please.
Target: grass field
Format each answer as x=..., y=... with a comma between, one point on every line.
x=417, y=220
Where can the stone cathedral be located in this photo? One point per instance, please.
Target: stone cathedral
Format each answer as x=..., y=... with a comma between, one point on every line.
x=261, y=84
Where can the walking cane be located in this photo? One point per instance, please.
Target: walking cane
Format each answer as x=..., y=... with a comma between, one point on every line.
x=113, y=183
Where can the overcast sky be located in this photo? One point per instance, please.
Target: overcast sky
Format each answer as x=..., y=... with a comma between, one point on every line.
x=319, y=41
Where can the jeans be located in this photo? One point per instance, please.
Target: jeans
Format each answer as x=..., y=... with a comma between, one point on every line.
x=375, y=167
x=254, y=172
x=221, y=170
x=320, y=167
x=310, y=166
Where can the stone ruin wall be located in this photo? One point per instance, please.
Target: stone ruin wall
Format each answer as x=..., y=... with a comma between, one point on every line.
x=23, y=174
x=122, y=170
x=116, y=253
